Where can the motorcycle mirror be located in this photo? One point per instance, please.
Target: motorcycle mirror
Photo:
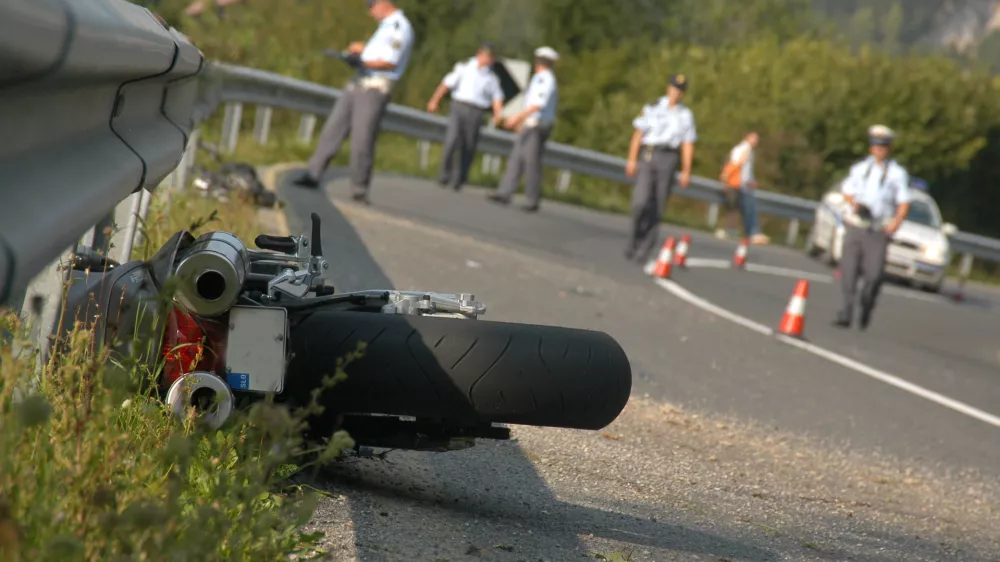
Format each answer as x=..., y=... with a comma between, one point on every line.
x=317, y=245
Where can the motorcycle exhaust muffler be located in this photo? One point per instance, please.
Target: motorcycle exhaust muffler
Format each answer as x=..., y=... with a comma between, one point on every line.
x=205, y=392
x=212, y=273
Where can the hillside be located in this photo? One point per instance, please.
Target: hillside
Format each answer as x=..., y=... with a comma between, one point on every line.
x=950, y=24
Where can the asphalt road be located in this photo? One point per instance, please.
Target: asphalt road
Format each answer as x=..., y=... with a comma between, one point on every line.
x=564, y=266
x=929, y=340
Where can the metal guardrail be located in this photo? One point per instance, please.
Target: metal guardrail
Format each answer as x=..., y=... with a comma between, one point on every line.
x=239, y=85
x=96, y=100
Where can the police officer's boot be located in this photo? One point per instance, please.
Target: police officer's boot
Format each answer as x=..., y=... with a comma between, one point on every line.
x=866, y=316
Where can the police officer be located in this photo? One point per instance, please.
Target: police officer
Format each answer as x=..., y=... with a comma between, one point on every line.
x=877, y=191
x=533, y=125
x=664, y=136
x=359, y=111
x=475, y=89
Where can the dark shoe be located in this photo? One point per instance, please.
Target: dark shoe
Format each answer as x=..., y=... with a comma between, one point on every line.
x=361, y=198
x=840, y=323
x=866, y=318
x=306, y=181
x=498, y=199
x=531, y=208
x=630, y=254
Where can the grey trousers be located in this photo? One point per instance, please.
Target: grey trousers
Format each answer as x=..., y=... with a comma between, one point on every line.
x=526, y=158
x=358, y=113
x=460, y=143
x=653, y=183
x=863, y=257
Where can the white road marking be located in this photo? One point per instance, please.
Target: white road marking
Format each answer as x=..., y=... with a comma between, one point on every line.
x=683, y=293
x=841, y=360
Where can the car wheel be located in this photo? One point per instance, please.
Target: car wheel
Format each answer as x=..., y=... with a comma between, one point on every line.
x=935, y=288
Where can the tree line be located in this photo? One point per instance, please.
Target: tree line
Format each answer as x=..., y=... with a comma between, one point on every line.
x=776, y=66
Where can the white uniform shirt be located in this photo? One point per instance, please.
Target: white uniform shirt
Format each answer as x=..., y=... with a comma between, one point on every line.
x=469, y=83
x=665, y=125
x=878, y=188
x=746, y=172
x=392, y=42
x=543, y=92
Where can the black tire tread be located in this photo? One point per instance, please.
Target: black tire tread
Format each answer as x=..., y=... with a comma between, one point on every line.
x=462, y=370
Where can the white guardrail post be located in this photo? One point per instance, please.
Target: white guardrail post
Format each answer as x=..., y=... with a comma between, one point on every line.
x=101, y=94
x=262, y=124
x=231, y=127
x=424, y=150
x=306, y=128
x=793, y=233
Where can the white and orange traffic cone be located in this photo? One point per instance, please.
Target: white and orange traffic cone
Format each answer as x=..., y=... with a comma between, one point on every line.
x=740, y=256
x=680, y=259
x=665, y=259
x=794, y=320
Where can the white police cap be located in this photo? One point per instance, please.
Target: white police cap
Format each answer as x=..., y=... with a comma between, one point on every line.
x=880, y=134
x=547, y=53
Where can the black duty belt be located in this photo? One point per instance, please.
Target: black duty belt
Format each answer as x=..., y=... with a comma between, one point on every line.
x=660, y=148
x=472, y=105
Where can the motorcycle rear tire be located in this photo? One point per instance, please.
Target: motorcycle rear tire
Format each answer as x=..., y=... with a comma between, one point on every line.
x=455, y=370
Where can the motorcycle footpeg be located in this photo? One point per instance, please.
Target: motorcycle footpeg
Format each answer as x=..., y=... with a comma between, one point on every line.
x=283, y=244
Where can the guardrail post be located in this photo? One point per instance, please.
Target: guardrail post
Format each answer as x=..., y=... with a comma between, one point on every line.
x=424, y=148
x=965, y=269
x=262, y=124
x=179, y=177
x=307, y=125
x=564, y=178
x=231, y=126
x=713, y=215
x=793, y=232
x=128, y=237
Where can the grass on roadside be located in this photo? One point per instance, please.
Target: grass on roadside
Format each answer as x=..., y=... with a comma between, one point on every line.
x=93, y=467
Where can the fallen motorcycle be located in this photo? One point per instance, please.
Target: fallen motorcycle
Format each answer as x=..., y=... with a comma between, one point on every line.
x=264, y=323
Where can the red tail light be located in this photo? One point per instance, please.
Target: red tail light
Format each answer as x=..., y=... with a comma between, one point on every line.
x=193, y=344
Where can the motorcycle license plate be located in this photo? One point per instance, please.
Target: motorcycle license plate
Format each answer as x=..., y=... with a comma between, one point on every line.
x=255, y=352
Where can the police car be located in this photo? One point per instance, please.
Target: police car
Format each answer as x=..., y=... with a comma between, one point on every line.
x=919, y=252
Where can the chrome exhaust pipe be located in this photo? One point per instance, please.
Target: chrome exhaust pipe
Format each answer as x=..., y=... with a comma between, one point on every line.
x=212, y=273
x=206, y=393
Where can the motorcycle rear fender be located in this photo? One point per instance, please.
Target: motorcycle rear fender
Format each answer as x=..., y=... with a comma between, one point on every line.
x=126, y=306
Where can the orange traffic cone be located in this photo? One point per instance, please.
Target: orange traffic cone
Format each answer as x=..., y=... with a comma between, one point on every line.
x=682, y=251
x=794, y=319
x=740, y=257
x=665, y=259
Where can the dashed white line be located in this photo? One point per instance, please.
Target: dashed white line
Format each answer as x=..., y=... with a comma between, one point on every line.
x=841, y=360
